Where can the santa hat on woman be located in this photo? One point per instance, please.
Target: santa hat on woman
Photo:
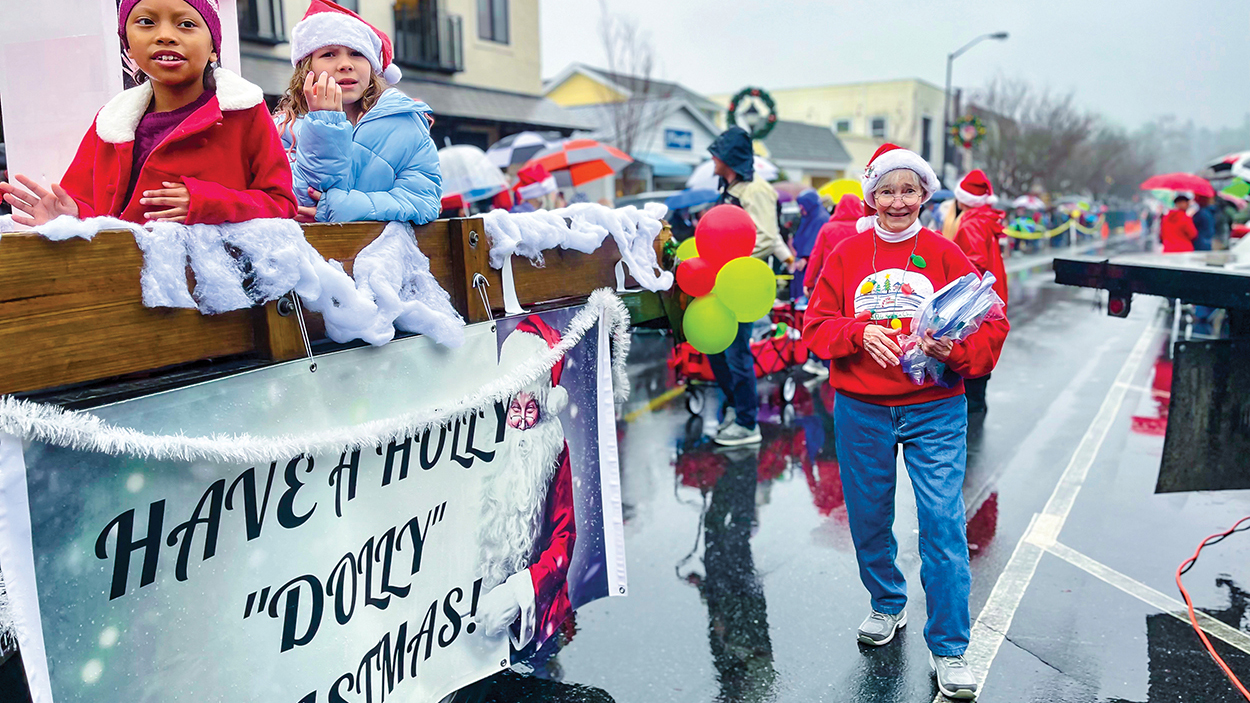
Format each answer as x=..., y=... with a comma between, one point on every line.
x=532, y=337
x=534, y=182
x=329, y=24
x=975, y=190
x=892, y=157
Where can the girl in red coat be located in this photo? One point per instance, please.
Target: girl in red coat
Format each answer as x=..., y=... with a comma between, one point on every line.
x=192, y=144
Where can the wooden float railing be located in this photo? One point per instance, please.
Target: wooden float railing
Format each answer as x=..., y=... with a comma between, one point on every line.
x=71, y=312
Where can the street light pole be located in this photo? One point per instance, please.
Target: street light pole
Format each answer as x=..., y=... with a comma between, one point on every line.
x=946, y=110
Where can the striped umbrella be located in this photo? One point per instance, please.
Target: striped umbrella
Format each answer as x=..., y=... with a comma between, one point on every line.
x=580, y=161
x=521, y=147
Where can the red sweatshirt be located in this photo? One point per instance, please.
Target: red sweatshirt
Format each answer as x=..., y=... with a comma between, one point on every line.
x=852, y=294
x=1177, y=231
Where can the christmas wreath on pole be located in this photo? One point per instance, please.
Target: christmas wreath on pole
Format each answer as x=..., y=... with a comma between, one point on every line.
x=968, y=131
x=759, y=125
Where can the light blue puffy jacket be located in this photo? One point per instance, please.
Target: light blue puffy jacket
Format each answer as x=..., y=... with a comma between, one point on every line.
x=383, y=168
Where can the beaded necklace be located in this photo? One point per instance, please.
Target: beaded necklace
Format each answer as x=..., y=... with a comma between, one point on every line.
x=895, y=323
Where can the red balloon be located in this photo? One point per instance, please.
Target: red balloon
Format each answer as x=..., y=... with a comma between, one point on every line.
x=696, y=277
x=725, y=232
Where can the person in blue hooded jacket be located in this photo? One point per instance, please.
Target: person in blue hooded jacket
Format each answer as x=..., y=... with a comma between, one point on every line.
x=360, y=149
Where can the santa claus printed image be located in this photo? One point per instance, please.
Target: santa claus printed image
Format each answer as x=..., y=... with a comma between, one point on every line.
x=539, y=537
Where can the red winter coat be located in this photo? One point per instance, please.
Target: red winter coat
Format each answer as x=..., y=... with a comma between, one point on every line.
x=978, y=233
x=227, y=153
x=841, y=226
x=1177, y=232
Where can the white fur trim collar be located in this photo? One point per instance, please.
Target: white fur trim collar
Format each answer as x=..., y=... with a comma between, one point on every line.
x=971, y=200
x=864, y=224
x=119, y=118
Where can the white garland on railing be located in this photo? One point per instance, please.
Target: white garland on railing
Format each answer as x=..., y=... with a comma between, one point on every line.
x=83, y=431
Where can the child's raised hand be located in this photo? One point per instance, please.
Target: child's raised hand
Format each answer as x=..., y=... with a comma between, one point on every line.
x=38, y=203
x=323, y=93
x=308, y=215
x=174, y=196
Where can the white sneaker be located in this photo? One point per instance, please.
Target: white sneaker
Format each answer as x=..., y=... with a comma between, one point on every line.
x=879, y=628
x=815, y=368
x=730, y=416
x=954, y=677
x=736, y=436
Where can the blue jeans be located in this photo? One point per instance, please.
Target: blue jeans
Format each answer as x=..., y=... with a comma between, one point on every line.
x=734, y=370
x=934, y=440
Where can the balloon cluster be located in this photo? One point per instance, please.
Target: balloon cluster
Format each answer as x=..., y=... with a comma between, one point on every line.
x=728, y=284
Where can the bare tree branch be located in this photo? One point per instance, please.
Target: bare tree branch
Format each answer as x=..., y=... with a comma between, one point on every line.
x=630, y=54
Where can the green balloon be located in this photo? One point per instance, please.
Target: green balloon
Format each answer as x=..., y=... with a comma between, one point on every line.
x=747, y=287
x=686, y=250
x=709, y=326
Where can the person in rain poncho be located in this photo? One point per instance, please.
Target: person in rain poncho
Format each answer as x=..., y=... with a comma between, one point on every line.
x=980, y=226
x=813, y=218
x=1177, y=230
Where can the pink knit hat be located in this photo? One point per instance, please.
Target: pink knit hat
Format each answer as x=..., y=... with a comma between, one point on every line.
x=208, y=9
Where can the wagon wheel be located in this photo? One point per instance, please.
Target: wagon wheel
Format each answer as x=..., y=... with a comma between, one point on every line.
x=694, y=400
x=788, y=388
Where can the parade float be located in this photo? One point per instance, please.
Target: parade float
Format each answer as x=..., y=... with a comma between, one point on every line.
x=272, y=461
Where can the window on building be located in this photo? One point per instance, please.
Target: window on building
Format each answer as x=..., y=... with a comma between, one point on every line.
x=353, y=5
x=878, y=127
x=842, y=126
x=261, y=20
x=926, y=141
x=492, y=20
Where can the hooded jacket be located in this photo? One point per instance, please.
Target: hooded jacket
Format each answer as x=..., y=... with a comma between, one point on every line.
x=227, y=153
x=383, y=168
x=814, y=217
x=979, y=230
x=758, y=198
x=841, y=226
x=1177, y=231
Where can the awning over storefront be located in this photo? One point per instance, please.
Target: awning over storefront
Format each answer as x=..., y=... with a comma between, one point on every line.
x=273, y=74
x=664, y=167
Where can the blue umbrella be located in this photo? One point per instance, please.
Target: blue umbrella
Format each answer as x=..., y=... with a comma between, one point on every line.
x=691, y=197
x=942, y=195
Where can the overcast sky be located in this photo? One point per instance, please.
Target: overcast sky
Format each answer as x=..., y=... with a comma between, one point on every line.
x=1130, y=61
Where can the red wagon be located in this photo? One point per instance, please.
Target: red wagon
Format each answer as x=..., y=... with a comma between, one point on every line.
x=777, y=351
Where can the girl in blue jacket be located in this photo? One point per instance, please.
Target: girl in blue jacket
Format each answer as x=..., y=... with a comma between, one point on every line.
x=360, y=149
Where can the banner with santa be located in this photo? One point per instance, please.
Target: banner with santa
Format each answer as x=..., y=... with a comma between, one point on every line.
x=397, y=525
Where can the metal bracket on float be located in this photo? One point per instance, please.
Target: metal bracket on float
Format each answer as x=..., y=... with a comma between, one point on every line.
x=480, y=283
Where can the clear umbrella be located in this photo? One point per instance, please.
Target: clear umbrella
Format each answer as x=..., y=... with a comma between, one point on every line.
x=468, y=173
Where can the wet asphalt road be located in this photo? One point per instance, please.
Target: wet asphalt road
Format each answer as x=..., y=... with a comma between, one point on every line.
x=743, y=583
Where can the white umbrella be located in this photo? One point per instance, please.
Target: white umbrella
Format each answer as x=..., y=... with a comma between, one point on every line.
x=704, y=176
x=1032, y=202
x=521, y=147
x=468, y=173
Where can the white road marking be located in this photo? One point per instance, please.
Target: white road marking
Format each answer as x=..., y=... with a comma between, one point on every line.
x=1146, y=594
x=992, y=624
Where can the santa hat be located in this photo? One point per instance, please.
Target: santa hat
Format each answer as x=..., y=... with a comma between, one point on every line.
x=329, y=24
x=208, y=9
x=975, y=190
x=534, y=182
x=892, y=157
x=531, y=337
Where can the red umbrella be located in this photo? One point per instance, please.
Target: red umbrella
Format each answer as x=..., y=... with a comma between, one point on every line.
x=579, y=161
x=1180, y=181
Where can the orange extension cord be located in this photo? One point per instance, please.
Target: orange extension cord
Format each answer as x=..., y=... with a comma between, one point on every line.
x=1193, y=619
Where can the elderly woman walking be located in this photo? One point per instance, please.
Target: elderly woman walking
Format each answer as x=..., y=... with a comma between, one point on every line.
x=867, y=293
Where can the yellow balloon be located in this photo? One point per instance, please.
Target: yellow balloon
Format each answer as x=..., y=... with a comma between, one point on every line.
x=747, y=287
x=709, y=326
x=686, y=250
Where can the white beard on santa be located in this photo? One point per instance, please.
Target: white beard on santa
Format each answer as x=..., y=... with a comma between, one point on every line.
x=514, y=497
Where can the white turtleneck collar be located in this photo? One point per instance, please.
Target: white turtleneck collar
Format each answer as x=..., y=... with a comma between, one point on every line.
x=866, y=223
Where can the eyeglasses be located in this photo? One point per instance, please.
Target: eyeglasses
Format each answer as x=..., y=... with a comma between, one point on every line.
x=888, y=198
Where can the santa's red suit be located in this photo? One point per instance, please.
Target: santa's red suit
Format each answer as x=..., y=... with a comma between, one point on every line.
x=980, y=227
x=528, y=526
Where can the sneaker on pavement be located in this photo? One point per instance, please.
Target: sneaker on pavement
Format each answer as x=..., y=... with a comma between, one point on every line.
x=730, y=416
x=815, y=368
x=736, y=436
x=954, y=677
x=879, y=628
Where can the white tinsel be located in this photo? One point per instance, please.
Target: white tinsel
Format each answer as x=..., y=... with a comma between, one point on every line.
x=240, y=265
x=84, y=431
x=582, y=227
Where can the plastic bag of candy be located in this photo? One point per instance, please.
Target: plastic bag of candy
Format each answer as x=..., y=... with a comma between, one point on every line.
x=954, y=312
